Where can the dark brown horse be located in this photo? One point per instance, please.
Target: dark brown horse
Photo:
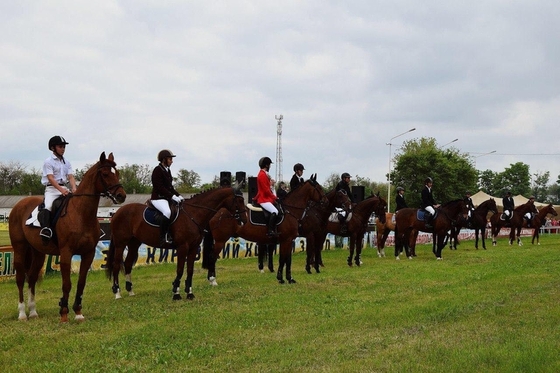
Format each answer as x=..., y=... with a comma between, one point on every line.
x=77, y=232
x=539, y=220
x=313, y=226
x=295, y=205
x=448, y=215
x=129, y=229
x=383, y=230
x=357, y=225
x=477, y=221
x=515, y=222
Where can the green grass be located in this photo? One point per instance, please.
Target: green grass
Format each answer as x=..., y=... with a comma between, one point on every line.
x=475, y=311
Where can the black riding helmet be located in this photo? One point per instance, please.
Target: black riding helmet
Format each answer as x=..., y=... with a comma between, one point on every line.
x=165, y=153
x=298, y=167
x=344, y=175
x=264, y=161
x=56, y=140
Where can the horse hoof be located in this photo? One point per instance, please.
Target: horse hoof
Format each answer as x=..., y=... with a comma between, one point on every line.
x=131, y=294
x=410, y=258
x=190, y=296
x=397, y=258
x=261, y=271
x=80, y=318
x=22, y=317
x=439, y=258
x=308, y=270
x=281, y=281
x=291, y=281
x=33, y=315
x=177, y=297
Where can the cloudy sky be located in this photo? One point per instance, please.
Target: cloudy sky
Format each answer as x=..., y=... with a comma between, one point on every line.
x=207, y=78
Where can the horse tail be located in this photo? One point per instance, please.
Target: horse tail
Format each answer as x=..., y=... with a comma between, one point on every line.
x=110, y=258
x=207, y=249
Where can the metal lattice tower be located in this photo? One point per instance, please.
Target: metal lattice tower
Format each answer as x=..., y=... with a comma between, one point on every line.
x=279, y=175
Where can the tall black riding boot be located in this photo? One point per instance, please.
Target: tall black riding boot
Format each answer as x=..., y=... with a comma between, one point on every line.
x=272, y=225
x=428, y=217
x=164, y=236
x=44, y=218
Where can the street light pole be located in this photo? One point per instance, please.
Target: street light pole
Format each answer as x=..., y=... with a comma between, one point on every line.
x=389, y=174
x=478, y=156
x=450, y=142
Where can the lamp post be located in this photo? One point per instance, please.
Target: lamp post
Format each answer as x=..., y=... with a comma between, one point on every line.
x=389, y=174
x=478, y=156
x=450, y=142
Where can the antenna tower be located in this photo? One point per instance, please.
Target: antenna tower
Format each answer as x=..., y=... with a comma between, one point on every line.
x=279, y=147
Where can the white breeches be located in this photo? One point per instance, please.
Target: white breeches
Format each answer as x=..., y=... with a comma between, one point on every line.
x=163, y=206
x=269, y=206
x=430, y=209
x=51, y=193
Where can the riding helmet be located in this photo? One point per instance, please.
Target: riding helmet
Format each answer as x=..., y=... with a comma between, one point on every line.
x=264, y=161
x=298, y=166
x=428, y=180
x=165, y=153
x=56, y=140
x=344, y=175
x=399, y=189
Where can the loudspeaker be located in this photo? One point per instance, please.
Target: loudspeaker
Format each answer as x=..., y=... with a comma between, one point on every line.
x=240, y=177
x=225, y=178
x=252, y=191
x=358, y=193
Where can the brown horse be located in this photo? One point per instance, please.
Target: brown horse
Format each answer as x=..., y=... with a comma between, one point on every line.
x=313, y=226
x=76, y=233
x=515, y=222
x=448, y=215
x=477, y=221
x=129, y=229
x=539, y=220
x=357, y=225
x=295, y=205
x=383, y=230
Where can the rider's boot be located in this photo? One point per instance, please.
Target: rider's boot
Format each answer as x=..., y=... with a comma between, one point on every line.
x=164, y=236
x=44, y=218
x=271, y=225
x=428, y=217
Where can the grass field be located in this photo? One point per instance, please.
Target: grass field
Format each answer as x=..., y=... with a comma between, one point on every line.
x=475, y=311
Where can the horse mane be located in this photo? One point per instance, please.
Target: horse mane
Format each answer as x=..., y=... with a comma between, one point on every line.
x=90, y=173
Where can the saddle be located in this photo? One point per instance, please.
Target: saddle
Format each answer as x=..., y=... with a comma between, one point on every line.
x=259, y=216
x=152, y=216
x=57, y=210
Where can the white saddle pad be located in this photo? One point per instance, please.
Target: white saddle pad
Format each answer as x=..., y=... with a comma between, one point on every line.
x=32, y=220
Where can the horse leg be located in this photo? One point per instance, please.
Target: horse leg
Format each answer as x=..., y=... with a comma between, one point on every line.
x=286, y=248
x=261, y=254
x=191, y=257
x=65, y=267
x=351, y=243
x=115, y=259
x=357, y=258
x=280, y=273
x=440, y=245
x=519, y=237
x=20, y=282
x=310, y=253
x=131, y=258
x=85, y=265
x=181, y=259
x=37, y=261
x=270, y=253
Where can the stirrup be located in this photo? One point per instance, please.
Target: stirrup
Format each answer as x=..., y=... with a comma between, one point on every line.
x=46, y=232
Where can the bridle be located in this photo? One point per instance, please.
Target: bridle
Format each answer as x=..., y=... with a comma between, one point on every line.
x=109, y=189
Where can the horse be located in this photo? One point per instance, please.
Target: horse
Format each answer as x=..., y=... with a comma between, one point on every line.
x=357, y=225
x=478, y=221
x=447, y=216
x=295, y=205
x=514, y=223
x=539, y=220
x=129, y=229
x=382, y=232
x=313, y=226
x=77, y=232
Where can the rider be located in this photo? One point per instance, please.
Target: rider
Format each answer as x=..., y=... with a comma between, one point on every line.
x=428, y=202
x=469, y=204
x=508, y=205
x=344, y=184
x=529, y=215
x=281, y=192
x=163, y=193
x=297, y=179
x=57, y=171
x=399, y=199
x=265, y=197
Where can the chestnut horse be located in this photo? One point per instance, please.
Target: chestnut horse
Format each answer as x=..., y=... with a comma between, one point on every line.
x=295, y=205
x=129, y=229
x=313, y=226
x=448, y=215
x=478, y=221
x=357, y=225
x=77, y=232
x=539, y=220
x=515, y=222
x=383, y=230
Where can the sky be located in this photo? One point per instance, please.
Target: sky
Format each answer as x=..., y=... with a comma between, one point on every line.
x=207, y=79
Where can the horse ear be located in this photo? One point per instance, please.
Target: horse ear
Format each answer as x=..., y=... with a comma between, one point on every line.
x=111, y=158
x=102, y=157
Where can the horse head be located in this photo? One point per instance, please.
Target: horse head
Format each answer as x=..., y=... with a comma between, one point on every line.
x=105, y=180
x=489, y=205
x=550, y=210
x=381, y=209
x=317, y=194
x=455, y=210
x=342, y=200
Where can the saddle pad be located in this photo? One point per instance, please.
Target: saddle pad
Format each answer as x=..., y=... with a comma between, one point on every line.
x=333, y=218
x=421, y=215
x=257, y=218
x=150, y=216
x=32, y=220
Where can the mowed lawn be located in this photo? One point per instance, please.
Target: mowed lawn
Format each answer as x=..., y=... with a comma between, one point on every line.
x=494, y=310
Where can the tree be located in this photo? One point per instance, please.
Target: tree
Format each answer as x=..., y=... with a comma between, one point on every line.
x=136, y=178
x=452, y=172
x=515, y=179
x=188, y=181
x=11, y=175
x=487, y=181
x=540, y=186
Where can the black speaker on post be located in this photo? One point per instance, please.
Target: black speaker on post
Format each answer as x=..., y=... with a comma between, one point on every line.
x=225, y=178
x=240, y=178
x=252, y=192
x=358, y=193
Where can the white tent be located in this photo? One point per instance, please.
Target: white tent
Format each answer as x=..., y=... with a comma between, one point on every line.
x=480, y=197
